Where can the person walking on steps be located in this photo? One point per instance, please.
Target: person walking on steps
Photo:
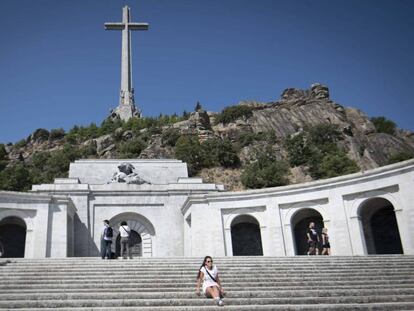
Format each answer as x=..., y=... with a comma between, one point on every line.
x=125, y=233
x=326, y=246
x=313, y=240
x=208, y=274
x=106, y=240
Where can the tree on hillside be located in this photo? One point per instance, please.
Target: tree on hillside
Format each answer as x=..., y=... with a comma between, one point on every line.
x=384, y=125
x=265, y=171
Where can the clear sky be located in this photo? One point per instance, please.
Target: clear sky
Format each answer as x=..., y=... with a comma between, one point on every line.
x=59, y=67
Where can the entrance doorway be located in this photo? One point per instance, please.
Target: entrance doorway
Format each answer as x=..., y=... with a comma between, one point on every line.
x=380, y=227
x=12, y=237
x=245, y=236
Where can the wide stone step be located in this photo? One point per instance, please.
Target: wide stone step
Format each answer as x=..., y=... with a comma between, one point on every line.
x=201, y=301
x=311, y=260
x=213, y=307
x=133, y=275
x=190, y=295
x=251, y=283
x=186, y=269
x=242, y=279
x=190, y=289
x=162, y=286
x=173, y=260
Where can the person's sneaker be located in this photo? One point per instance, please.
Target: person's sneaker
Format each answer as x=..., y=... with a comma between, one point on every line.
x=220, y=303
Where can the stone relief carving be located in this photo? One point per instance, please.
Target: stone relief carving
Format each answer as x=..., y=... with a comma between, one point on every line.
x=127, y=174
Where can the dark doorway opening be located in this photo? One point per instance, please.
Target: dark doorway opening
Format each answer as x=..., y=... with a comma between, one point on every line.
x=380, y=227
x=245, y=236
x=12, y=237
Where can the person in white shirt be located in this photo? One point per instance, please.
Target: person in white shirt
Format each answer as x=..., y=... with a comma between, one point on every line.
x=125, y=233
x=212, y=288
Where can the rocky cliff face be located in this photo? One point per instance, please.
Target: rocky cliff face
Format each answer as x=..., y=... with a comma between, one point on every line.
x=298, y=108
x=288, y=116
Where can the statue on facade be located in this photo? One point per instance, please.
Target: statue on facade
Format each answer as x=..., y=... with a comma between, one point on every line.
x=127, y=174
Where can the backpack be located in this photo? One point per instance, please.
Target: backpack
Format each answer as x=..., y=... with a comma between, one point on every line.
x=109, y=233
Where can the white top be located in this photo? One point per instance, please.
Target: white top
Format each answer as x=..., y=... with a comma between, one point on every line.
x=124, y=231
x=207, y=280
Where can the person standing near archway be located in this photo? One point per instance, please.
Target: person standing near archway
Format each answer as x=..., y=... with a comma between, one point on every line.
x=326, y=245
x=125, y=233
x=106, y=237
x=313, y=240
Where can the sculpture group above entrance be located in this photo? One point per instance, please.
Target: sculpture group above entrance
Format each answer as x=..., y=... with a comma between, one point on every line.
x=127, y=174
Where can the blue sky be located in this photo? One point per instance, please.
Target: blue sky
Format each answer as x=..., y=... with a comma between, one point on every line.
x=59, y=67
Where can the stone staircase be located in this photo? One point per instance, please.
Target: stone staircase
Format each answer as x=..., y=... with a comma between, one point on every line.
x=251, y=283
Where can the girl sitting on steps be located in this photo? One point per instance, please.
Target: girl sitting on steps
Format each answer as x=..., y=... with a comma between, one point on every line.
x=211, y=281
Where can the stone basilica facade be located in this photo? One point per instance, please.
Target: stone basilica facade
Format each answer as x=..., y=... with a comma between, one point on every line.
x=171, y=214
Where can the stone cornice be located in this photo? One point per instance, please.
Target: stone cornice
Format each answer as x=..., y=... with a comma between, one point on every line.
x=341, y=181
x=30, y=197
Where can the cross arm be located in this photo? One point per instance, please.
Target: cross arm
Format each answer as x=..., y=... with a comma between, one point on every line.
x=114, y=26
x=138, y=26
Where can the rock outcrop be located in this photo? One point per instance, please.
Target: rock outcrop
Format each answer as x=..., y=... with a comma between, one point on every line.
x=292, y=113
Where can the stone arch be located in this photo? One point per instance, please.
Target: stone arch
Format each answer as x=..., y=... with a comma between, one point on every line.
x=300, y=223
x=26, y=217
x=12, y=236
x=246, y=236
x=140, y=225
x=379, y=226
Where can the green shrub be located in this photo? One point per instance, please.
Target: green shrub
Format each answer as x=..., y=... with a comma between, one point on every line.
x=324, y=137
x=266, y=171
x=108, y=126
x=15, y=178
x=316, y=148
x=220, y=152
x=212, y=152
x=299, y=149
x=170, y=136
x=3, y=157
x=400, y=156
x=88, y=132
x=247, y=138
x=39, y=159
x=21, y=143
x=185, y=115
x=155, y=130
x=332, y=165
x=3, y=152
x=132, y=149
x=232, y=113
x=189, y=150
x=384, y=125
x=71, y=138
x=57, y=134
x=57, y=165
x=88, y=151
x=40, y=135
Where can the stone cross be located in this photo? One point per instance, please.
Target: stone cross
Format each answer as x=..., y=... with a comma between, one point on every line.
x=126, y=108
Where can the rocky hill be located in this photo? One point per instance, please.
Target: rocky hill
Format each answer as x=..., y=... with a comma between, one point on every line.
x=303, y=136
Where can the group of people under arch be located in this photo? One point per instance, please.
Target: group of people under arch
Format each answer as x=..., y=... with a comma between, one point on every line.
x=125, y=241
x=378, y=224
